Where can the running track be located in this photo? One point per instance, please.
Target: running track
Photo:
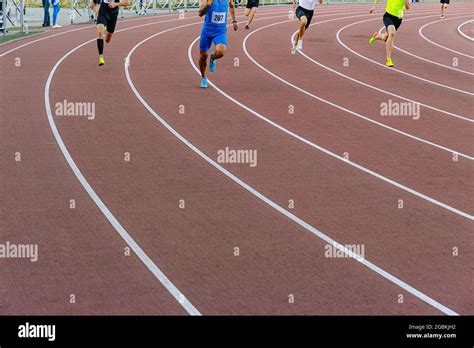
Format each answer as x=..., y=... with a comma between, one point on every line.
x=182, y=260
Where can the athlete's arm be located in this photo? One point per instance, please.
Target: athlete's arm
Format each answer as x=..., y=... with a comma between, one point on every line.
x=232, y=13
x=204, y=6
x=294, y=3
x=121, y=3
x=407, y=4
x=372, y=9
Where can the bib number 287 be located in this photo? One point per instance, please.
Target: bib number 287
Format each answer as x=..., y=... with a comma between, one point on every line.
x=218, y=17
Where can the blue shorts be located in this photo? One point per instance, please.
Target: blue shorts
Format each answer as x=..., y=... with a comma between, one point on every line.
x=208, y=37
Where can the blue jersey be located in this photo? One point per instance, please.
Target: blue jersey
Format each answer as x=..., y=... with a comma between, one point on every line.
x=216, y=16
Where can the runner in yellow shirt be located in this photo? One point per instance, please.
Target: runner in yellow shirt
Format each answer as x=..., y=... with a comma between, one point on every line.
x=392, y=20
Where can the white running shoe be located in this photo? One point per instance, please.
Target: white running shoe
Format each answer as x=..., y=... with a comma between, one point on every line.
x=300, y=45
x=57, y=26
x=293, y=49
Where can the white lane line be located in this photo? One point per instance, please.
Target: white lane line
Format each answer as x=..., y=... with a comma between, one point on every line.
x=338, y=106
x=431, y=61
x=380, y=89
x=393, y=69
x=172, y=289
x=320, y=148
x=460, y=31
x=271, y=203
x=420, y=32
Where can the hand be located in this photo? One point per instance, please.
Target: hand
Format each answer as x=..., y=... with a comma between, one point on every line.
x=113, y=4
x=372, y=9
x=294, y=5
x=235, y=25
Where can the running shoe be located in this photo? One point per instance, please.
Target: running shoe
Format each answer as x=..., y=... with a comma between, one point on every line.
x=300, y=45
x=212, y=63
x=442, y=16
x=247, y=27
x=293, y=49
x=389, y=63
x=203, y=82
x=373, y=38
x=101, y=61
x=57, y=26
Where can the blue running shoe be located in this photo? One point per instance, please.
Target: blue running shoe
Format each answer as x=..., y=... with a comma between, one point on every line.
x=212, y=64
x=203, y=82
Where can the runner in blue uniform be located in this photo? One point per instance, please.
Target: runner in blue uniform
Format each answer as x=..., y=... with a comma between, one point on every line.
x=214, y=30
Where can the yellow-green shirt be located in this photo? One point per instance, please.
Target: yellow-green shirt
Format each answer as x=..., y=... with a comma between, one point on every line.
x=395, y=7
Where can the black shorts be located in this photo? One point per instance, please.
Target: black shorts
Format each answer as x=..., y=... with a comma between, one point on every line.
x=300, y=12
x=252, y=3
x=388, y=20
x=97, y=2
x=445, y=2
x=108, y=16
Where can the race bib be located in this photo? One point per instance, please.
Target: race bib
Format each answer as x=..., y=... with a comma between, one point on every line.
x=218, y=17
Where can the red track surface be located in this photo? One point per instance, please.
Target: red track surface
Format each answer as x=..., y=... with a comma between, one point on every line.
x=80, y=251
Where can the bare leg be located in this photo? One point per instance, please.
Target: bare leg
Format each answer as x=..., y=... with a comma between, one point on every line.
x=203, y=63
x=382, y=37
x=299, y=36
x=443, y=8
x=389, y=44
x=219, y=52
x=251, y=15
x=101, y=31
x=108, y=37
x=100, y=38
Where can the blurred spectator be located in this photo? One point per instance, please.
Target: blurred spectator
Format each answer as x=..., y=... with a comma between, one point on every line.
x=56, y=8
x=46, y=20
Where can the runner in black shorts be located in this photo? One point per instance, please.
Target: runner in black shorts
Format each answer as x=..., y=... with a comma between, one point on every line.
x=444, y=6
x=389, y=20
x=304, y=12
x=251, y=11
x=392, y=19
x=106, y=21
